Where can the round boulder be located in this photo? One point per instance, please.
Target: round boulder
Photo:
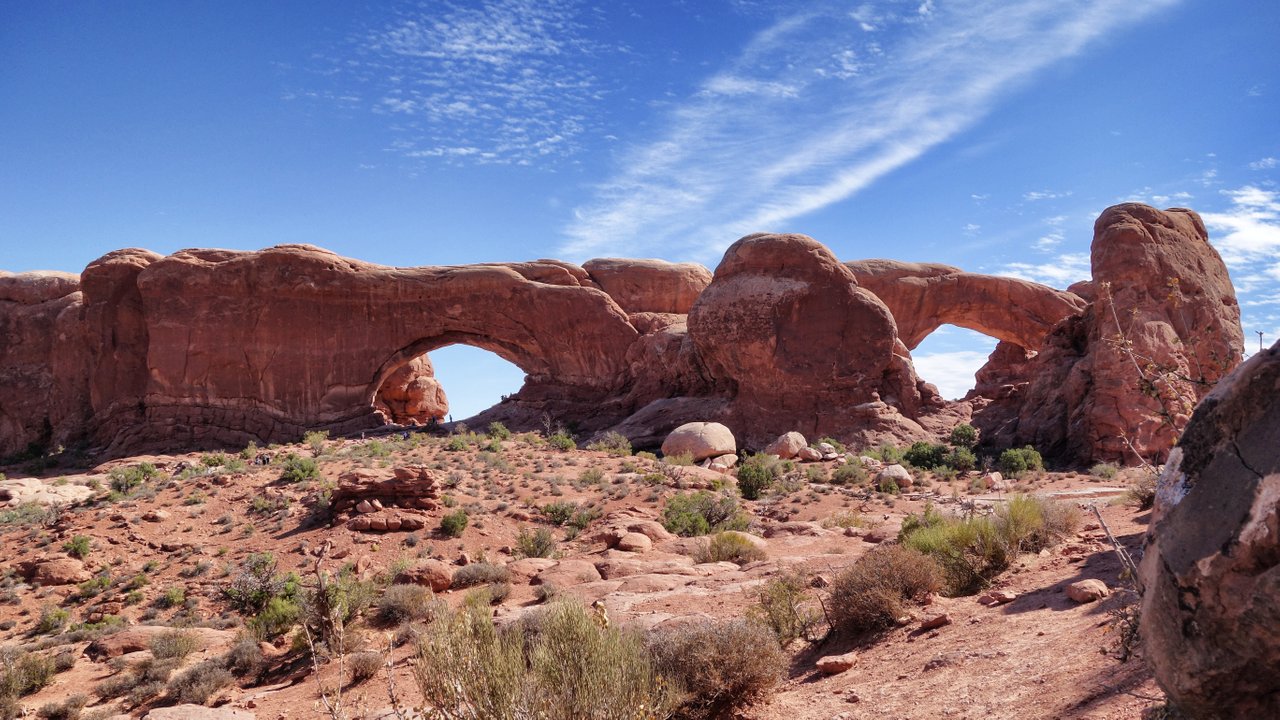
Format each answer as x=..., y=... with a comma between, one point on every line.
x=702, y=440
x=787, y=446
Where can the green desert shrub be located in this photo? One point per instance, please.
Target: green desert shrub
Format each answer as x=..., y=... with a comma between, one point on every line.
x=498, y=431
x=973, y=550
x=559, y=665
x=926, y=456
x=961, y=458
x=757, y=473
x=562, y=441
x=1016, y=461
x=722, y=666
x=454, y=523
x=296, y=469
x=964, y=435
x=876, y=590
x=78, y=547
x=731, y=547
x=702, y=512
x=275, y=619
x=850, y=473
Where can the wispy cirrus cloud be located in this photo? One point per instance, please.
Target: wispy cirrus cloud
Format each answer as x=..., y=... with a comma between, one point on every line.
x=822, y=104
x=1059, y=272
x=496, y=81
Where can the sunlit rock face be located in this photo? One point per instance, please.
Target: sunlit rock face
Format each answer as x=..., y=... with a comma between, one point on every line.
x=217, y=347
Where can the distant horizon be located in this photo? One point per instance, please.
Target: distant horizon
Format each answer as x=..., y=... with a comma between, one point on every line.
x=987, y=136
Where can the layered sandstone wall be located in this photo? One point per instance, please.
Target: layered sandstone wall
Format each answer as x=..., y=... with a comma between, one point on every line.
x=216, y=347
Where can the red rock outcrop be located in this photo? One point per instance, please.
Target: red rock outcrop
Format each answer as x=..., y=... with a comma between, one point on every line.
x=412, y=394
x=786, y=327
x=1118, y=382
x=1211, y=568
x=215, y=347
x=649, y=286
x=43, y=361
x=924, y=297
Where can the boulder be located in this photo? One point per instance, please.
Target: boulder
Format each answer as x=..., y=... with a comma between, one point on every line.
x=56, y=571
x=635, y=542
x=435, y=574
x=567, y=573
x=809, y=454
x=836, y=664
x=701, y=440
x=895, y=473
x=412, y=395
x=1211, y=566
x=1087, y=591
x=787, y=446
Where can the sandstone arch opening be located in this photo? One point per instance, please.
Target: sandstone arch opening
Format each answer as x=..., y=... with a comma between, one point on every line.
x=454, y=381
x=949, y=356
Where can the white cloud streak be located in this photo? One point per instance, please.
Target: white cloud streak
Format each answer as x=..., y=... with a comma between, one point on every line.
x=805, y=136
x=1059, y=272
x=496, y=81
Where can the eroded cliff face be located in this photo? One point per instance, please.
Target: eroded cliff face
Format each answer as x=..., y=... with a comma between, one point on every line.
x=215, y=347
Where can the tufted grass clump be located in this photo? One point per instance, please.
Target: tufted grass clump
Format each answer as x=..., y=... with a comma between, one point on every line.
x=723, y=666
x=175, y=644
x=782, y=606
x=23, y=673
x=537, y=544
x=198, y=684
x=406, y=603
x=78, y=547
x=613, y=443
x=876, y=590
x=973, y=550
x=729, y=547
x=557, y=665
x=480, y=573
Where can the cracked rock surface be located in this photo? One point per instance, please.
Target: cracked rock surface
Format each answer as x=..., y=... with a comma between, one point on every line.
x=1211, y=570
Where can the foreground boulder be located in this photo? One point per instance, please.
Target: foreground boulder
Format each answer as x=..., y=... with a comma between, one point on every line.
x=1211, y=568
x=702, y=440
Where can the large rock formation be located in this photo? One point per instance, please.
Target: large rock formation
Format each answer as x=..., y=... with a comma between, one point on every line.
x=1211, y=569
x=785, y=326
x=1118, y=381
x=43, y=361
x=214, y=347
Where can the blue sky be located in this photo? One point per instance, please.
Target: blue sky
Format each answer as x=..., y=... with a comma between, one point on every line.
x=985, y=134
